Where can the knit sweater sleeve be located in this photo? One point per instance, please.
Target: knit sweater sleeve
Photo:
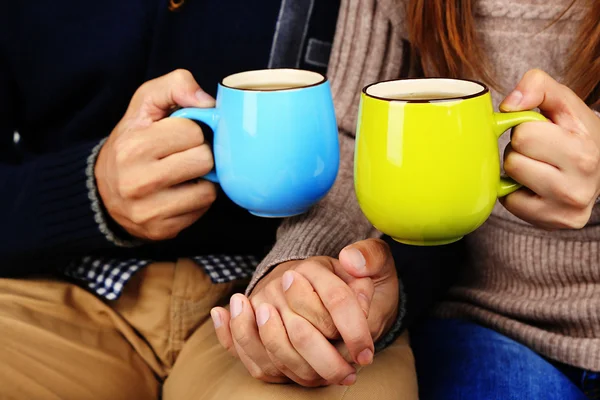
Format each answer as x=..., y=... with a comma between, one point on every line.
x=48, y=205
x=337, y=220
x=356, y=60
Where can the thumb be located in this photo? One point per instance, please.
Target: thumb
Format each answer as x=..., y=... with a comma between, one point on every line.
x=155, y=99
x=367, y=258
x=537, y=89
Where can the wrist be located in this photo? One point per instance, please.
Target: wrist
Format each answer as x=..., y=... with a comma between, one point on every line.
x=98, y=193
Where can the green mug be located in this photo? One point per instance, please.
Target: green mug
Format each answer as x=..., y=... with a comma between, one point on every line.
x=427, y=169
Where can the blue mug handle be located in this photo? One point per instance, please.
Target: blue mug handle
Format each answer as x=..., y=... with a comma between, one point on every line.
x=210, y=117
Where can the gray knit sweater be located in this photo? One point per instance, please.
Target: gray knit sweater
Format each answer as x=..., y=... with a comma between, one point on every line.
x=540, y=288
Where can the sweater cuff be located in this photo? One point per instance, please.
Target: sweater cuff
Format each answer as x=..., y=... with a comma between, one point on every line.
x=107, y=226
x=69, y=207
x=398, y=327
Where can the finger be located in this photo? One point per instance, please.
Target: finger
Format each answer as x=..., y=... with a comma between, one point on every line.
x=545, y=142
x=221, y=318
x=257, y=371
x=173, y=201
x=302, y=299
x=182, y=167
x=317, y=350
x=344, y=308
x=363, y=289
x=155, y=99
x=245, y=336
x=280, y=350
x=171, y=227
x=540, y=177
x=367, y=258
x=530, y=207
x=537, y=89
x=170, y=136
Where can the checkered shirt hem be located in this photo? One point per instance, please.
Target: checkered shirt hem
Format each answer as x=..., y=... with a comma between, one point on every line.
x=107, y=276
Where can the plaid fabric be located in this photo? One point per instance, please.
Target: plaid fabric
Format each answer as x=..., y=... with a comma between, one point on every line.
x=107, y=276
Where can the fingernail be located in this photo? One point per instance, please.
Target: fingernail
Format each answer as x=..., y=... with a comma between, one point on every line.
x=356, y=259
x=512, y=101
x=286, y=280
x=349, y=380
x=204, y=98
x=214, y=314
x=262, y=315
x=365, y=357
x=236, y=306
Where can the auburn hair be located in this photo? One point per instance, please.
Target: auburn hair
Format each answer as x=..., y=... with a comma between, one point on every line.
x=443, y=34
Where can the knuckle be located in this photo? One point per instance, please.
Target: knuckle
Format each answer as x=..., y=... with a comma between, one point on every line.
x=310, y=265
x=187, y=128
x=303, y=267
x=181, y=75
x=273, y=377
x=155, y=234
x=259, y=374
x=336, y=373
x=271, y=371
x=299, y=334
x=537, y=75
x=210, y=194
x=579, y=198
x=127, y=148
x=139, y=215
x=135, y=188
x=170, y=230
x=273, y=346
x=588, y=161
x=337, y=297
x=567, y=220
x=273, y=288
x=205, y=156
x=242, y=335
x=577, y=221
x=309, y=378
x=127, y=190
x=519, y=139
x=511, y=164
x=144, y=89
x=327, y=327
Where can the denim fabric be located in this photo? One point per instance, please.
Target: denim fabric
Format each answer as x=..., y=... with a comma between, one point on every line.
x=458, y=360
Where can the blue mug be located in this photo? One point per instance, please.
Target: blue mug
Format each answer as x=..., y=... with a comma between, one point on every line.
x=275, y=146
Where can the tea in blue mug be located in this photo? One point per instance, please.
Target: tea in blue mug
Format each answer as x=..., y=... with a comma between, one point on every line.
x=275, y=146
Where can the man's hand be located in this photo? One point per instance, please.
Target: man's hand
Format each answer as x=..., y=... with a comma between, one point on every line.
x=557, y=161
x=286, y=329
x=146, y=168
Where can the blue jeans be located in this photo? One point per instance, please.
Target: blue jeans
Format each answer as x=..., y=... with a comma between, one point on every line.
x=458, y=360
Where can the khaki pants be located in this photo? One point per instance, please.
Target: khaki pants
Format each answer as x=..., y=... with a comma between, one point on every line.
x=58, y=341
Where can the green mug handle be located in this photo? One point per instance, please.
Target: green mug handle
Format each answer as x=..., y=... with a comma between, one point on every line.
x=502, y=123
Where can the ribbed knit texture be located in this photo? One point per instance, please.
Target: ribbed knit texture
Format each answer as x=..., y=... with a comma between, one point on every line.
x=58, y=204
x=540, y=288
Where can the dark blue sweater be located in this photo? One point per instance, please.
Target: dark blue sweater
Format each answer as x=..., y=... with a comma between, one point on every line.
x=67, y=72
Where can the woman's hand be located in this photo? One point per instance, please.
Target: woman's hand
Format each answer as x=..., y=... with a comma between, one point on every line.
x=557, y=161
